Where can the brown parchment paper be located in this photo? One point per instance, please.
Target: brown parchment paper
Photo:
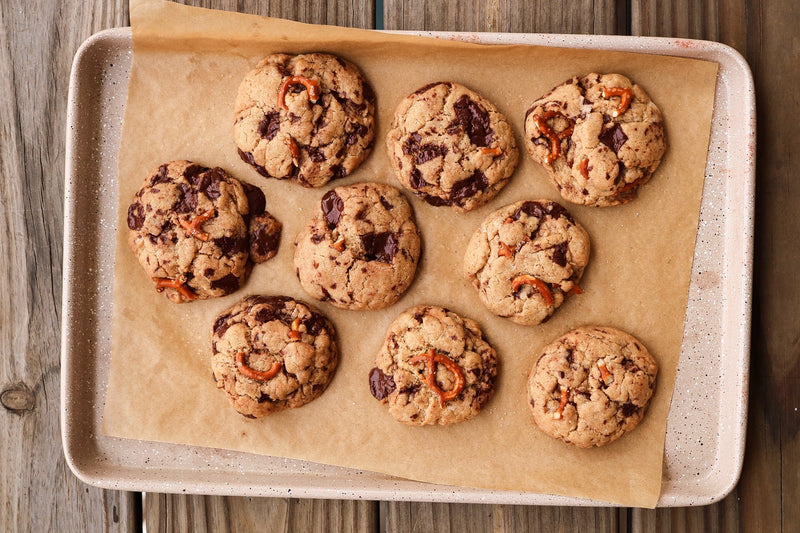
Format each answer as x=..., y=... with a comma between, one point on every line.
x=187, y=65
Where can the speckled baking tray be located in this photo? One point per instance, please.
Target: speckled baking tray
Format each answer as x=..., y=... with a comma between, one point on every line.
x=706, y=424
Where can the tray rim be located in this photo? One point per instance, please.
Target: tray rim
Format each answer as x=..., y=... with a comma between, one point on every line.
x=136, y=479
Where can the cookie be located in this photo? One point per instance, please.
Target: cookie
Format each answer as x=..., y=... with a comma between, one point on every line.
x=434, y=367
x=599, y=137
x=451, y=146
x=591, y=386
x=308, y=117
x=360, y=249
x=272, y=353
x=525, y=259
x=195, y=230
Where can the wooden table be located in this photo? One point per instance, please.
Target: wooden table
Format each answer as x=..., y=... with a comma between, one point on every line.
x=38, y=492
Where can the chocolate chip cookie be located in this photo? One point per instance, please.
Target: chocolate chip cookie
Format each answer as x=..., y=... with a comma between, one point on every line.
x=360, y=249
x=451, y=146
x=272, y=353
x=591, y=386
x=308, y=117
x=599, y=137
x=525, y=259
x=195, y=230
x=435, y=367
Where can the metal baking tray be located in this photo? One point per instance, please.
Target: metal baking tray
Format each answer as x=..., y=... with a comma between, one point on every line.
x=706, y=424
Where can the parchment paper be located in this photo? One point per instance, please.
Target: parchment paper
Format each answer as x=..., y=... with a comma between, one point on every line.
x=187, y=65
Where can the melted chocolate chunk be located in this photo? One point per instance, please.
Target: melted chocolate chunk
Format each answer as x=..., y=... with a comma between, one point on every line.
x=332, y=207
x=247, y=157
x=264, y=398
x=355, y=133
x=316, y=238
x=315, y=154
x=469, y=187
x=192, y=171
x=135, y=216
x=228, y=284
x=385, y=203
x=338, y=171
x=427, y=152
x=316, y=324
x=255, y=199
x=221, y=325
x=426, y=87
x=628, y=409
x=270, y=125
x=435, y=201
x=560, y=254
x=613, y=137
x=160, y=176
x=231, y=245
x=535, y=209
x=379, y=246
x=415, y=179
x=211, y=182
x=187, y=201
x=263, y=242
x=474, y=119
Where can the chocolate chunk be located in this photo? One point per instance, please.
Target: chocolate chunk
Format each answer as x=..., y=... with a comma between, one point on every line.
x=357, y=131
x=332, y=207
x=247, y=157
x=255, y=199
x=430, y=85
x=385, y=203
x=613, y=137
x=474, y=119
x=135, y=216
x=316, y=238
x=221, y=325
x=187, y=201
x=532, y=209
x=416, y=180
x=263, y=242
x=228, y=284
x=211, y=183
x=315, y=154
x=560, y=254
x=264, y=398
x=628, y=409
x=468, y=187
x=192, y=171
x=160, y=176
x=433, y=200
x=379, y=246
x=270, y=125
x=535, y=209
x=380, y=385
x=231, y=246
x=427, y=152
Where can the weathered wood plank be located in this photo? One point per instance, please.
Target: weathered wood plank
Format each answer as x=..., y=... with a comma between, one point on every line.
x=37, y=491
x=536, y=16
x=446, y=518
x=166, y=513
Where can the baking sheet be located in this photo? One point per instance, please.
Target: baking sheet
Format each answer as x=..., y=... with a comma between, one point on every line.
x=365, y=484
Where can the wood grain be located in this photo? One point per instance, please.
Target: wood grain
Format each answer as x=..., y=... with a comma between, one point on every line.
x=534, y=16
x=166, y=513
x=37, y=490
